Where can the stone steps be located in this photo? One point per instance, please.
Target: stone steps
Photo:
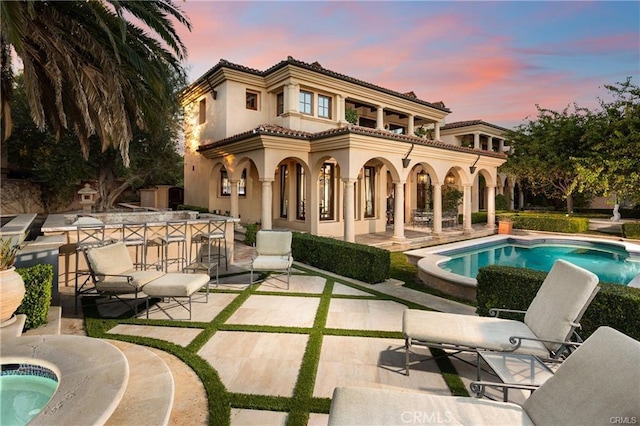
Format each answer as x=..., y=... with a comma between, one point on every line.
x=149, y=396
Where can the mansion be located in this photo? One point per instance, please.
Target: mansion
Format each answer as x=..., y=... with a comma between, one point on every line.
x=301, y=147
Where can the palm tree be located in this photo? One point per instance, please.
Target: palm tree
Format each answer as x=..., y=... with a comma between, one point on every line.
x=87, y=68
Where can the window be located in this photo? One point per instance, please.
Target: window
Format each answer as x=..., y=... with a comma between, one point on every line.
x=300, y=192
x=284, y=201
x=280, y=103
x=306, y=102
x=242, y=187
x=252, y=100
x=202, y=112
x=225, y=184
x=326, y=191
x=324, y=106
x=424, y=191
x=369, y=192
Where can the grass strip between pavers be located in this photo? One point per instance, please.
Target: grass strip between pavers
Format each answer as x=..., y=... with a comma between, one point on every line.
x=220, y=400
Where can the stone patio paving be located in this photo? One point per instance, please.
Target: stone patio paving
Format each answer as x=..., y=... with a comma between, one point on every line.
x=267, y=363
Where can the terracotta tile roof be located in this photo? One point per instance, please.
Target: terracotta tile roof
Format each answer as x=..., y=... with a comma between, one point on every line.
x=316, y=67
x=271, y=129
x=459, y=124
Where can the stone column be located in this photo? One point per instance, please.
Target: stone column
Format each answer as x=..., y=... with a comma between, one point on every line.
x=437, y=209
x=520, y=198
x=398, y=212
x=476, y=140
x=349, y=211
x=411, y=125
x=267, y=203
x=380, y=118
x=490, y=143
x=292, y=100
x=500, y=145
x=340, y=109
x=436, y=133
x=491, y=207
x=466, y=203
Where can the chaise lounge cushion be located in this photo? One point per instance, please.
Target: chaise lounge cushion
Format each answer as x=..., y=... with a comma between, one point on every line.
x=559, y=302
x=353, y=406
x=598, y=383
x=114, y=259
x=469, y=331
x=176, y=285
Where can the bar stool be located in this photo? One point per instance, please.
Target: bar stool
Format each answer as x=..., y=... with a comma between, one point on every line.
x=176, y=233
x=213, y=233
x=135, y=235
x=87, y=236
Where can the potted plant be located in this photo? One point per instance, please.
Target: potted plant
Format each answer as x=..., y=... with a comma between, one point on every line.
x=11, y=284
x=505, y=225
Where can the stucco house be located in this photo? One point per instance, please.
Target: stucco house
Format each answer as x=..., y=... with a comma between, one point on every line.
x=301, y=147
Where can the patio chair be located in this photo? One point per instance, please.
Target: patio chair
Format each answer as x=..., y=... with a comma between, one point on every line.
x=597, y=384
x=273, y=253
x=549, y=323
x=114, y=275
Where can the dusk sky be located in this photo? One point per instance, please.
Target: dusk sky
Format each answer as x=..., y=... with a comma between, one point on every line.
x=485, y=60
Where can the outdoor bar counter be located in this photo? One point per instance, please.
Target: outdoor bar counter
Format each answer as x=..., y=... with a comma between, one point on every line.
x=63, y=224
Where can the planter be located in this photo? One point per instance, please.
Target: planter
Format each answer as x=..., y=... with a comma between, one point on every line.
x=11, y=293
x=504, y=227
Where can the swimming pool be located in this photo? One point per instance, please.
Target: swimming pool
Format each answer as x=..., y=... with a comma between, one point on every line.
x=460, y=281
x=610, y=263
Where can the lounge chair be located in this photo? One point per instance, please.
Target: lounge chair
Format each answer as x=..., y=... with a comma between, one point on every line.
x=114, y=274
x=597, y=384
x=273, y=253
x=549, y=323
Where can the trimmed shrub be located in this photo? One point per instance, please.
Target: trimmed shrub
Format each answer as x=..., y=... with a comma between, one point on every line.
x=364, y=263
x=501, y=202
x=505, y=287
x=251, y=229
x=551, y=223
x=631, y=230
x=479, y=217
x=38, y=281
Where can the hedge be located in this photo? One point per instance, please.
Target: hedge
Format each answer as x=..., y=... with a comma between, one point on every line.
x=38, y=281
x=615, y=305
x=550, y=223
x=364, y=263
x=631, y=230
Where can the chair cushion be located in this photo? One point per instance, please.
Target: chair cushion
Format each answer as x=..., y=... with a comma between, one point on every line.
x=273, y=243
x=596, y=384
x=176, y=285
x=110, y=259
x=272, y=263
x=470, y=331
x=122, y=285
x=364, y=406
x=563, y=295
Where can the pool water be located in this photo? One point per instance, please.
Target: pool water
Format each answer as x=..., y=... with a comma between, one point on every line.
x=611, y=265
x=23, y=396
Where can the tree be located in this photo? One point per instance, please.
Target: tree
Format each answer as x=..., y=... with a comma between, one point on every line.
x=543, y=150
x=88, y=69
x=611, y=164
x=58, y=168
